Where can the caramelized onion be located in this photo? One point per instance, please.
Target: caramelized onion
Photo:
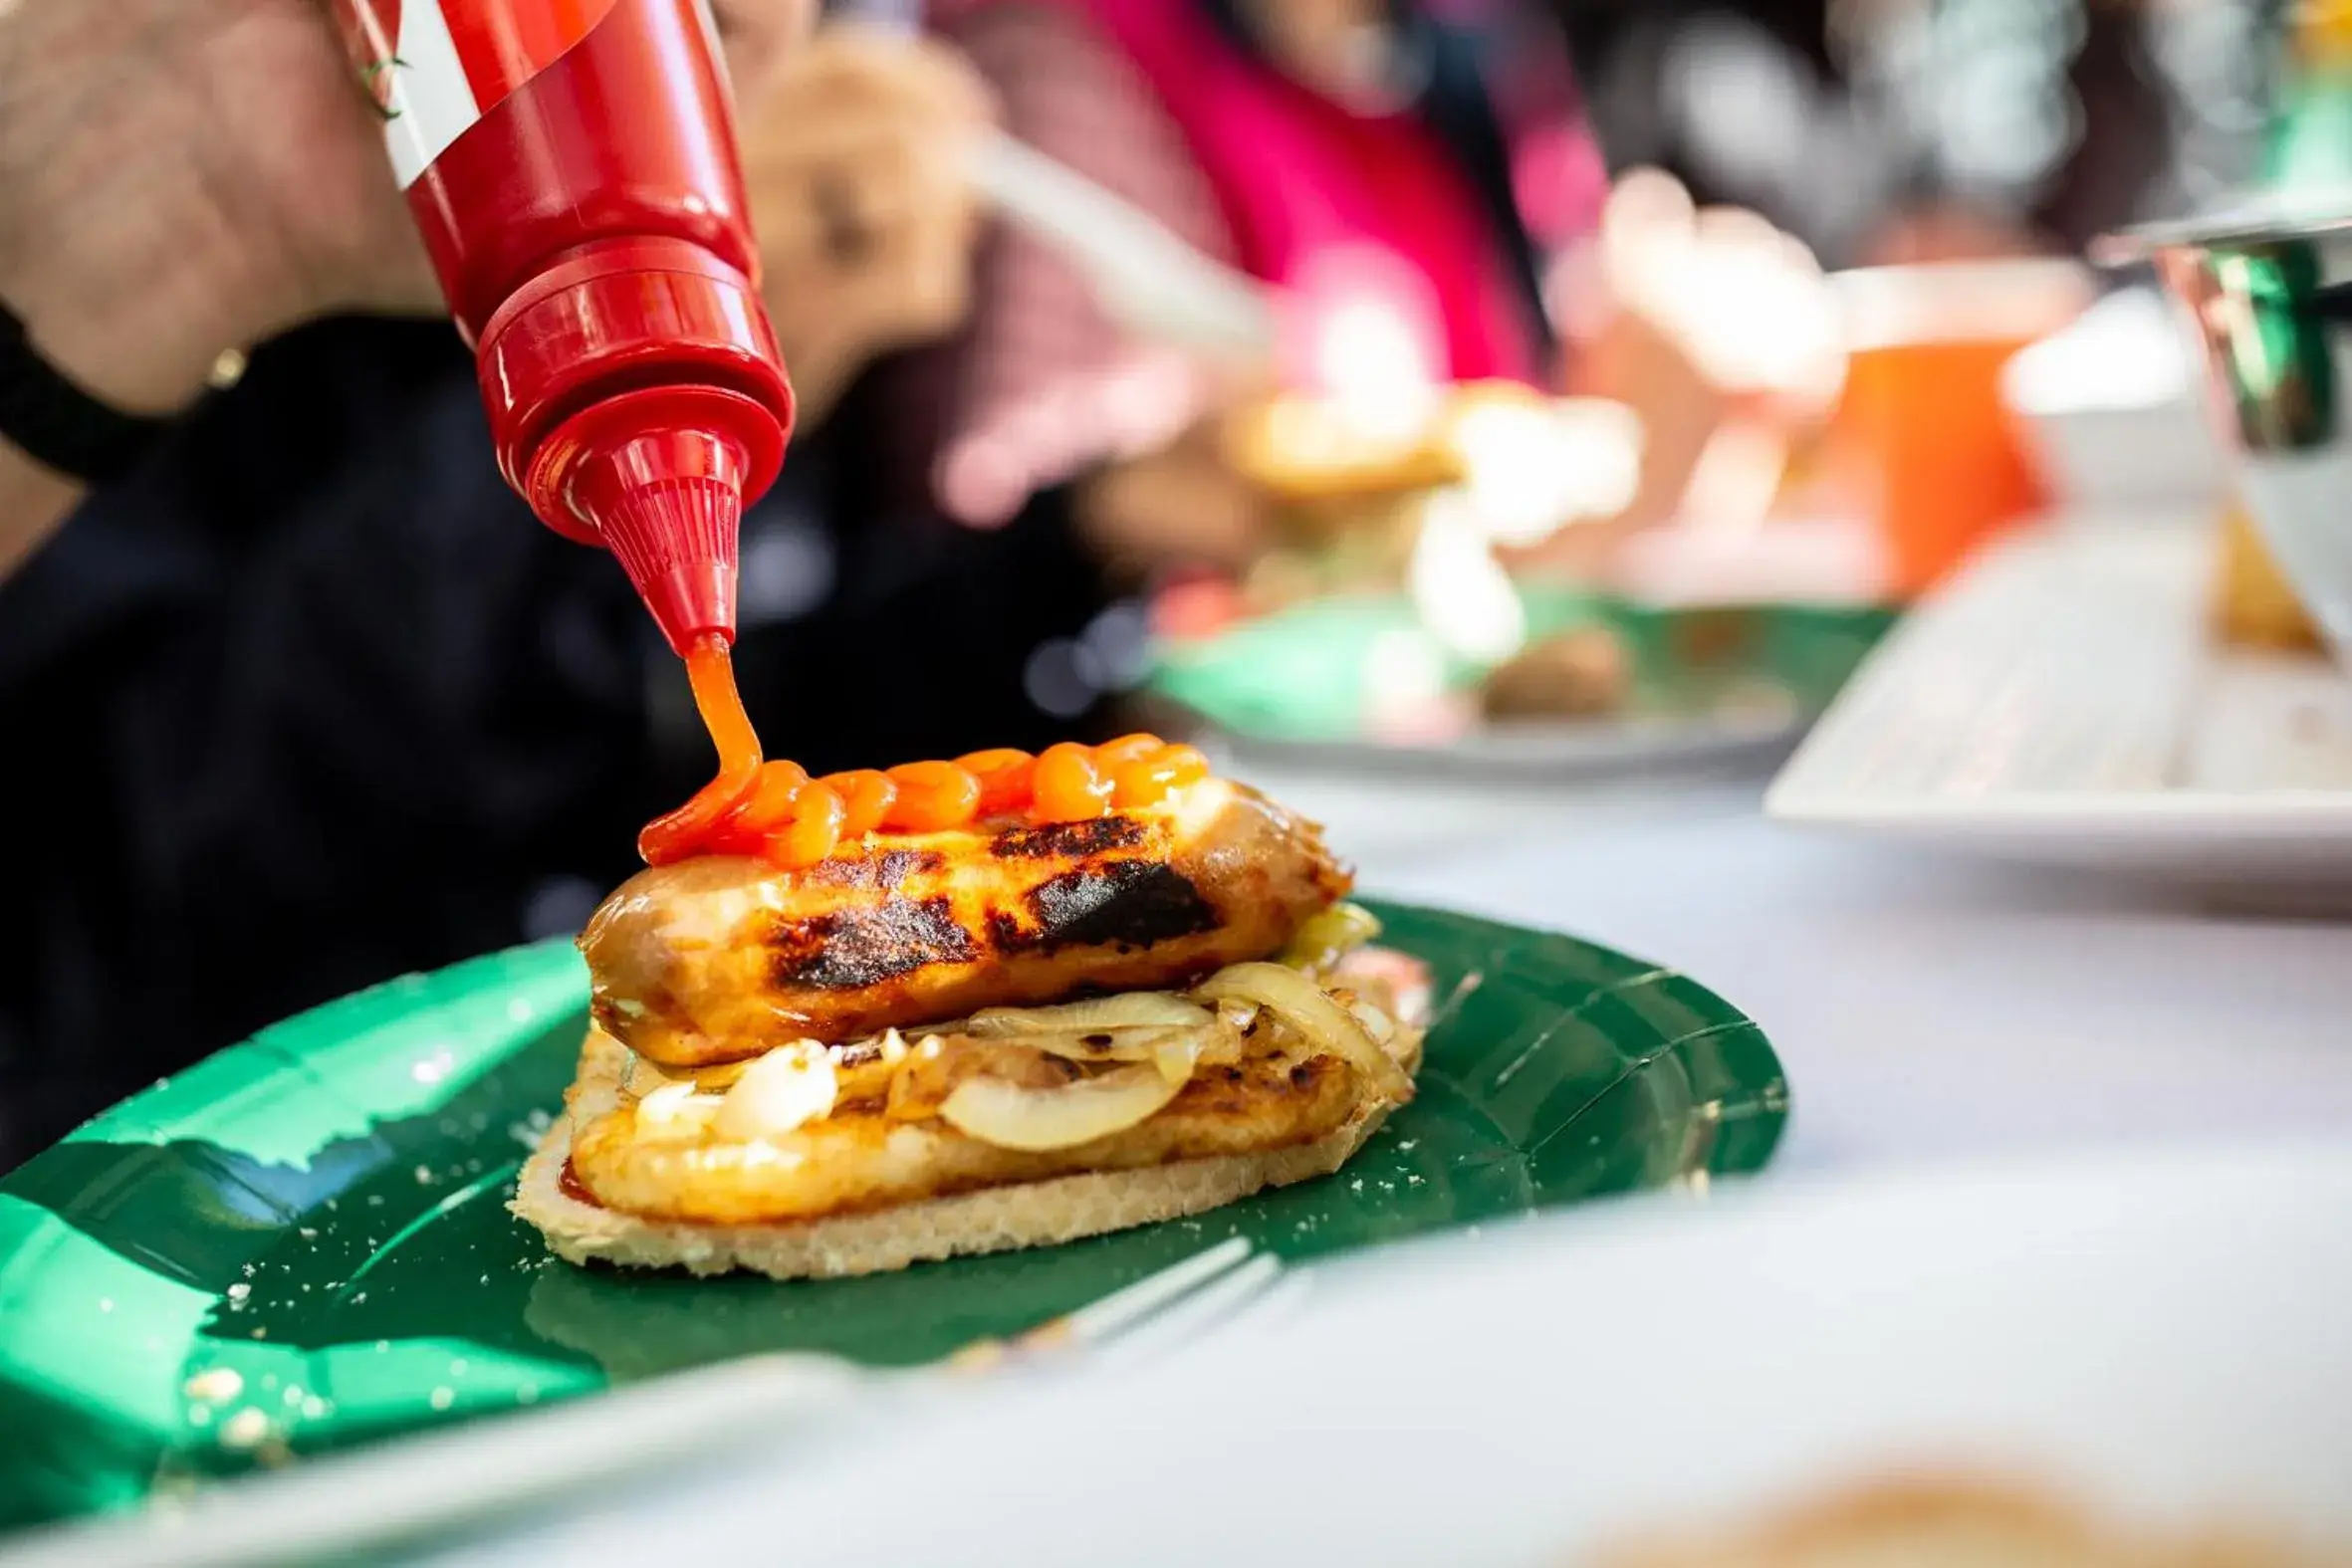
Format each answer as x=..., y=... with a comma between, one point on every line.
x=1104, y=1045
x=675, y=1110
x=1299, y=1001
x=865, y=1071
x=1215, y=1042
x=1376, y=1024
x=1129, y=1009
x=1226, y=1043
x=1331, y=933
x=717, y=1078
x=938, y=1063
x=782, y=1091
x=861, y=1068
x=1012, y=1118
x=1177, y=1054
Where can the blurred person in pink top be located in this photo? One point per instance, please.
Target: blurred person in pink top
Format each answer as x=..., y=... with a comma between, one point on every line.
x=1428, y=161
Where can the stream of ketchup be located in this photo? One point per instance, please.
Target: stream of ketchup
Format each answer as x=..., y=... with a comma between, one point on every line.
x=690, y=829
x=774, y=810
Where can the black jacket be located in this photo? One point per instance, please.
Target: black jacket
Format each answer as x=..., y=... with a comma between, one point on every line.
x=314, y=700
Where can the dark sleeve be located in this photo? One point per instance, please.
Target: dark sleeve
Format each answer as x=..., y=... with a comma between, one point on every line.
x=317, y=703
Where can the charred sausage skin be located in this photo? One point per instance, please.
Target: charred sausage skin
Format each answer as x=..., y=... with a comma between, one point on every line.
x=717, y=959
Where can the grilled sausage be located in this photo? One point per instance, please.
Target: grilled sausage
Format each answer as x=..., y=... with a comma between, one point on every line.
x=713, y=960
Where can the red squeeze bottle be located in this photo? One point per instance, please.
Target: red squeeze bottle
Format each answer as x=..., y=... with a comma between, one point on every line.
x=572, y=166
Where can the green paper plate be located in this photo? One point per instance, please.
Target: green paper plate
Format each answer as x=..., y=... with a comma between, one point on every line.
x=1706, y=681
x=303, y=1243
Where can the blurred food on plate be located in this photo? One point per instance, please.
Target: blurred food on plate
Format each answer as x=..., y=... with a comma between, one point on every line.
x=1360, y=506
x=1418, y=190
x=1307, y=451
x=2254, y=604
x=1959, y=1521
x=1579, y=673
x=1596, y=681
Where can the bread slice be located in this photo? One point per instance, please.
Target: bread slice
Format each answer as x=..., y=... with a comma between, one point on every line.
x=990, y=1220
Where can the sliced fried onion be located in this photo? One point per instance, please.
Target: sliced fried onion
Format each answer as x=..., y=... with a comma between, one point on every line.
x=865, y=1071
x=640, y=1077
x=1331, y=933
x=939, y=1062
x=1102, y=1045
x=1376, y=1024
x=1225, y=1044
x=719, y=1077
x=674, y=1110
x=1178, y=1053
x=786, y=1089
x=1012, y=1118
x=861, y=1068
x=1129, y=1009
x=1302, y=1005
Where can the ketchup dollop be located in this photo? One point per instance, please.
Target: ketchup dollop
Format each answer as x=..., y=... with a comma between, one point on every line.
x=774, y=810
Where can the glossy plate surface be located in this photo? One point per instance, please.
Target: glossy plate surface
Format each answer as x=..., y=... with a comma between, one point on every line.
x=302, y=1243
x=1324, y=681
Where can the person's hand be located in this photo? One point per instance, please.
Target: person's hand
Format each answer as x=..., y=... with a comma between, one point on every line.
x=1182, y=504
x=182, y=177
x=1175, y=494
x=1746, y=303
x=856, y=154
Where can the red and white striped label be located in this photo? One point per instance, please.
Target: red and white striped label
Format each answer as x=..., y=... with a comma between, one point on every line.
x=434, y=67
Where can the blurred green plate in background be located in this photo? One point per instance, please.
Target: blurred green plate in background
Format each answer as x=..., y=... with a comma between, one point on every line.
x=303, y=1243
x=1711, y=684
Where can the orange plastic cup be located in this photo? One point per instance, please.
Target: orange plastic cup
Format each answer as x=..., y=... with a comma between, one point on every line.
x=1921, y=411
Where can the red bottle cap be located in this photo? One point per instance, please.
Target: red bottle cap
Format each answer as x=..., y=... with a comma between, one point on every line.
x=638, y=403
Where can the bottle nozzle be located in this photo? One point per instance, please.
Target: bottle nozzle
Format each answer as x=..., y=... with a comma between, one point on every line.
x=659, y=477
x=669, y=508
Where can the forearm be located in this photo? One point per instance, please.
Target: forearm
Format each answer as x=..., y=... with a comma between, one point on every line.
x=141, y=228
x=32, y=502
x=122, y=354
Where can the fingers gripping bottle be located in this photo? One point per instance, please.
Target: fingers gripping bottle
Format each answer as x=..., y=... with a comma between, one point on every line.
x=572, y=166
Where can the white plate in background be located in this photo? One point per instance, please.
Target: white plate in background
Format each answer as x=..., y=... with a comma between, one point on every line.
x=2110, y=406
x=2060, y=702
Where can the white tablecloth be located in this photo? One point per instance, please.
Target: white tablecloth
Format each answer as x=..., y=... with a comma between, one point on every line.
x=1925, y=1007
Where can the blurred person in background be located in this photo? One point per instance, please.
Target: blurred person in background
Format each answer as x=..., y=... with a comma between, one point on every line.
x=313, y=699
x=1418, y=179
x=1913, y=129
